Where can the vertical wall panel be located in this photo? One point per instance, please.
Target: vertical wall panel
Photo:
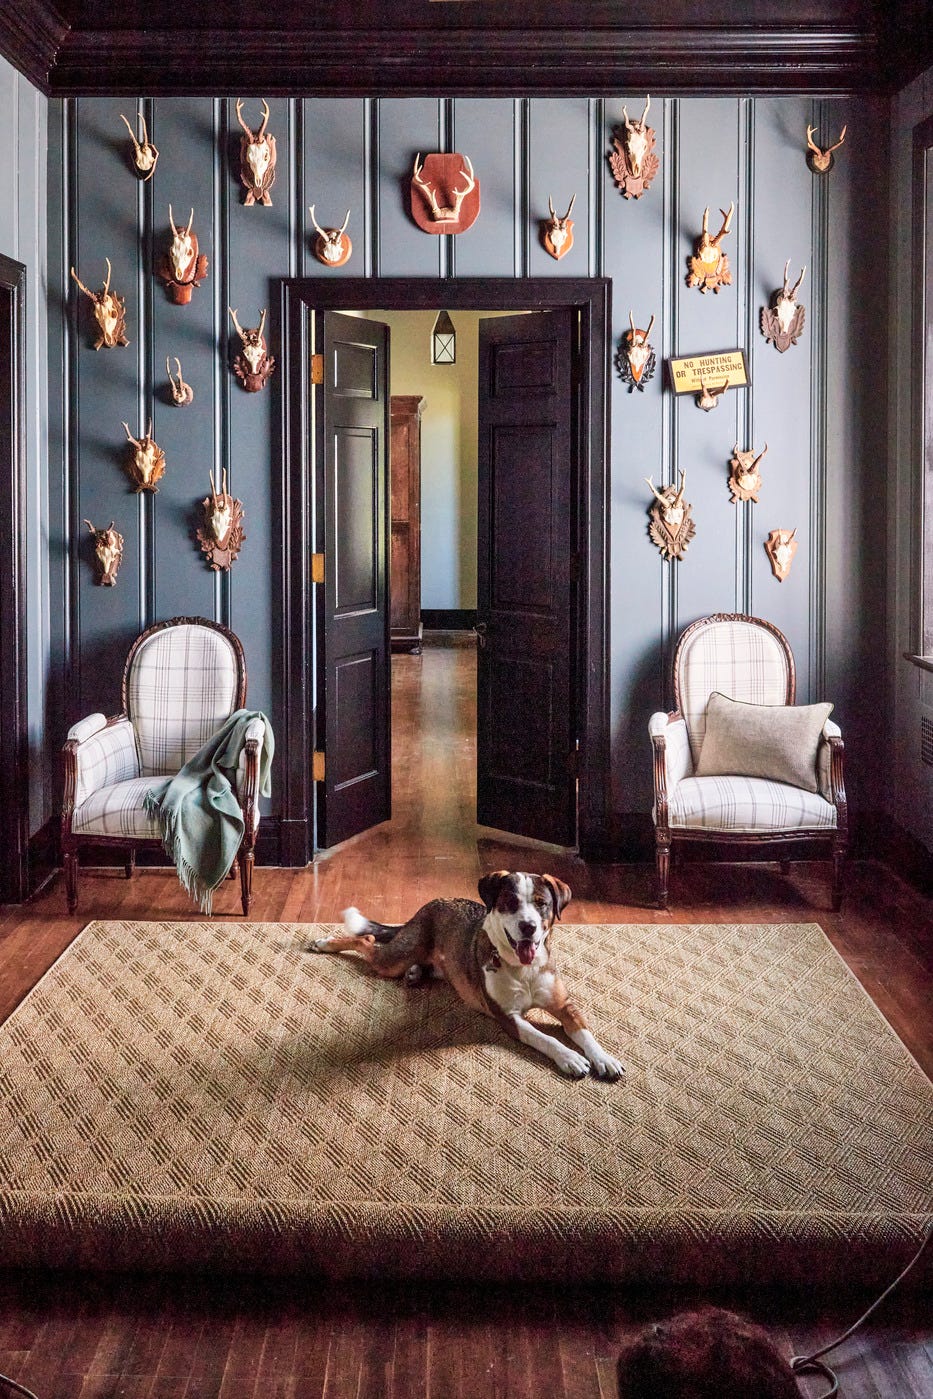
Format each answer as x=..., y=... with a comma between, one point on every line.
x=185, y=132
x=782, y=382
x=634, y=241
x=707, y=579
x=558, y=165
x=335, y=178
x=107, y=393
x=406, y=127
x=485, y=130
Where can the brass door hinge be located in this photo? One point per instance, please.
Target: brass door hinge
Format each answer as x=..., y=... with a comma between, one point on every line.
x=317, y=369
x=317, y=766
x=317, y=568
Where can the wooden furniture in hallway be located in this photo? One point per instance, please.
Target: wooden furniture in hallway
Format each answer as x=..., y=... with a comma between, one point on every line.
x=405, y=570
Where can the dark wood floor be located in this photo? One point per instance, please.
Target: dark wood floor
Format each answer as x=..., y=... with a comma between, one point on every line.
x=137, y=1337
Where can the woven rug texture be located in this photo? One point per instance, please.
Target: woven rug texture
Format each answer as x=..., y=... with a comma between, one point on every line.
x=187, y=1096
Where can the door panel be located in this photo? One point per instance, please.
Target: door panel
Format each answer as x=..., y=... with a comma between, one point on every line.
x=525, y=698
x=356, y=791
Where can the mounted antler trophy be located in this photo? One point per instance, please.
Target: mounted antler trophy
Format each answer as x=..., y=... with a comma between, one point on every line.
x=257, y=157
x=253, y=364
x=708, y=397
x=671, y=527
x=782, y=321
x=709, y=265
x=633, y=162
x=182, y=268
x=635, y=359
x=332, y=246
x=781, y=546
x=145, y=154
x=745, y=477
x=108, y=552
x=221, y=534
x=447, y=178
x=822, y=160
x=557, y=231
x=109, y=312
x=182, y=393
x=147, y=464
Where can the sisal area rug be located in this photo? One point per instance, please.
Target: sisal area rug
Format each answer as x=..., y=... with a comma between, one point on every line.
x=211, y=1096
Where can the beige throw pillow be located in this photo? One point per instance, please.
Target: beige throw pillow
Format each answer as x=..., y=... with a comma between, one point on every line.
x=777, y=741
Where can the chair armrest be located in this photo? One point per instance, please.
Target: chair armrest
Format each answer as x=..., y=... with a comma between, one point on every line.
x=97, y=754
x=247, y=778
x=672, y=761
x=829, y=769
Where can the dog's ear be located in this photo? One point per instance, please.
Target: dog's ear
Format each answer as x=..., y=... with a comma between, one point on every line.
x=489, y=887
x=560, y=893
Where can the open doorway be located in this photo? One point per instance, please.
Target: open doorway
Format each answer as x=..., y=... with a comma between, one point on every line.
x=582, y=307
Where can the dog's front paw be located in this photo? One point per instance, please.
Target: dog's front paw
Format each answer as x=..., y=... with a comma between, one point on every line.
x=606, y=1066
x=571, y=1063
x=318, y=945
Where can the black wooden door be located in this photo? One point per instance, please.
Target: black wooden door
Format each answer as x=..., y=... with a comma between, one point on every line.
x=355, y=792
x=526, y=731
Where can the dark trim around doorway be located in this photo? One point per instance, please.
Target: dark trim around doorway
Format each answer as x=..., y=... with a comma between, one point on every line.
x=302, y=530
x=14, y=771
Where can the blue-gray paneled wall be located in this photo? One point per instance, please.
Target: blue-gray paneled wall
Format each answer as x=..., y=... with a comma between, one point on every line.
x=813, y=405
x=24, y=119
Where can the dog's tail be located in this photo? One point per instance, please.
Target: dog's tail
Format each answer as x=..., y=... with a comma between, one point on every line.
x=354, y=922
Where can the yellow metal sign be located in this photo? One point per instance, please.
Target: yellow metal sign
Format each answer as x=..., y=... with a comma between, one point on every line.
x=691, y=374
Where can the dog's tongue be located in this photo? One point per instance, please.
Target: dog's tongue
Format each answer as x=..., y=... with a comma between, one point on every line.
x=526, y=953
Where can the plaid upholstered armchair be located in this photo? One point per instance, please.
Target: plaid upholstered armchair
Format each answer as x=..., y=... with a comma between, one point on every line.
x=182, y=680
x=737, y=762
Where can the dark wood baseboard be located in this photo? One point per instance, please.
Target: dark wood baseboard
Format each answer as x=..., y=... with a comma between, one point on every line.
x=448, y=618
x=877, y=836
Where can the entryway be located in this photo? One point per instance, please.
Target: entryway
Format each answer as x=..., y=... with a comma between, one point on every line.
x=335, y=466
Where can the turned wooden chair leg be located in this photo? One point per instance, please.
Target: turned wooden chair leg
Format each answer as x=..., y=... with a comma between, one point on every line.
x=663, y=867
x=246, y=881
x=130, y=866
x=71, y=879
x=839, y=860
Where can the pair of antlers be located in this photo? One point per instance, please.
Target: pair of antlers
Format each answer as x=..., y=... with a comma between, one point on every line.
x=662, y=495
x=331, y=233
x=248, y=336
x=95, y=295
x=643, y=333
x=560, y=218
x=735, y=453
x=632, y=125
x=174, y=229
x=254, y=136
x=726, y=225
x=446, y=212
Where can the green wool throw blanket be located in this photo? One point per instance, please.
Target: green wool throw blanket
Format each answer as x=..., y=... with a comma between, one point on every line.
x=199, y=813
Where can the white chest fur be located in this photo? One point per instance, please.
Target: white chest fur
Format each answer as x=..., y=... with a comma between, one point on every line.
x=517, y=989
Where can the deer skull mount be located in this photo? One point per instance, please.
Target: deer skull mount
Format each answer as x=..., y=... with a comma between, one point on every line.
x=633, y=162
x=820, y=160
x=109, y=312
x=108, y=552
x=182, y=393
x=220, y=533
x=182, y=268
x=635, y=358
x=781, y=546
x=557, y=231
x=745, y=477
x=709, y=265
x=445, y=193
x=708, y=397
x=671, y=527
x=253, y=364
x=782, y=321
x=145, y=154
x=147, y=464
x=332, y=246
x=257, y=158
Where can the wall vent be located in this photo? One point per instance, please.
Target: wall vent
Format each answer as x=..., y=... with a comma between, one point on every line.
x=926, y=740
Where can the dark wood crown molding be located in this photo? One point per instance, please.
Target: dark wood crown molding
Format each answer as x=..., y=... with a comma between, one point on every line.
x=737, y=58
x=31, y=34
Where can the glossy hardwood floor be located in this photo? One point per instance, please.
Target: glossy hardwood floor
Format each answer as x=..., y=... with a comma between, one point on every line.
x=68, y=1337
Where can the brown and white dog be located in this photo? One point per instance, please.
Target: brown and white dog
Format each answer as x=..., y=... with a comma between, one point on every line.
x=496, y=955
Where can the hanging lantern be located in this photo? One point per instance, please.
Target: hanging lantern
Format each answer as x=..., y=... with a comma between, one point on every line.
x=443, y=340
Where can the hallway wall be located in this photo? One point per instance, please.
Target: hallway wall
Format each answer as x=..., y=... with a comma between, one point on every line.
x=820, y=407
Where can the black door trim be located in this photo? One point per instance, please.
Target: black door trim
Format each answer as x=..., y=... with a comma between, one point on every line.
x=14, y=782
x=301, y=532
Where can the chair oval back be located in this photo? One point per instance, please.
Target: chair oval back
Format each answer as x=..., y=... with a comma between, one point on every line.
x=183, y=678
x=743, y=657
